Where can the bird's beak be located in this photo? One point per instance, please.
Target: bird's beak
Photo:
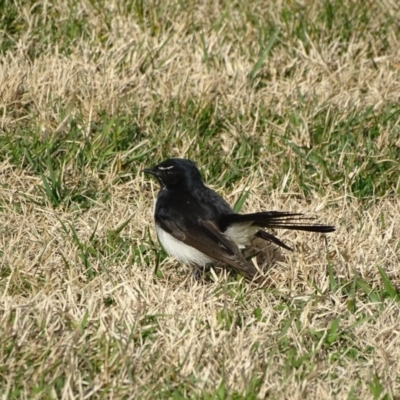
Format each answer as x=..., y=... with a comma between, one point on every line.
x=151, y=171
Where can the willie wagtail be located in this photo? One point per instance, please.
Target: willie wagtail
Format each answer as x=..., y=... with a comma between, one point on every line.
x=198, y=227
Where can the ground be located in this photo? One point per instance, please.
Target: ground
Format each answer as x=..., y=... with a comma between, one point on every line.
x=285, y=105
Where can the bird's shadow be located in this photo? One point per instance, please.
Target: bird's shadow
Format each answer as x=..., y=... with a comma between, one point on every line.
x=265, y=255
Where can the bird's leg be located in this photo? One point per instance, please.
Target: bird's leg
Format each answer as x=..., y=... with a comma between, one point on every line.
x=199, y=272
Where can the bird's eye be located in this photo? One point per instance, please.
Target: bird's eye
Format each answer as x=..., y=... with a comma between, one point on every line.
x=168, y=173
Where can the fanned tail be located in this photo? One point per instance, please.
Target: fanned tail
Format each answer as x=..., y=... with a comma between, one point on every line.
x=277, y=220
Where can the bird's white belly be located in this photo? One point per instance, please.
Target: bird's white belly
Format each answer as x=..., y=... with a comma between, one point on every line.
x=184, y=253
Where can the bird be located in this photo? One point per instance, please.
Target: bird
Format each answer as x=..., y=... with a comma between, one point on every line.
x=198, y=227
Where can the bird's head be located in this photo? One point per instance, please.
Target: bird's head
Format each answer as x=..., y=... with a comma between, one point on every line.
x=176, y=173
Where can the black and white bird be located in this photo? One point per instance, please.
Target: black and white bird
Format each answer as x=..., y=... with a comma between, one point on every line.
x=198, y=227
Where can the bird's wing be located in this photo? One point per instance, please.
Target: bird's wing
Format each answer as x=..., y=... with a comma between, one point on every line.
x=206, y=237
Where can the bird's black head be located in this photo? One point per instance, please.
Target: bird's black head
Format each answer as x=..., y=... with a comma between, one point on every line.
x=176, y=173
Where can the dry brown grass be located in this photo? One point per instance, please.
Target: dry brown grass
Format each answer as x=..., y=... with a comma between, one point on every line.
x=124, y=332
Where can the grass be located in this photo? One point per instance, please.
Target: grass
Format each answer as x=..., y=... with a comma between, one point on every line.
x=284, y=106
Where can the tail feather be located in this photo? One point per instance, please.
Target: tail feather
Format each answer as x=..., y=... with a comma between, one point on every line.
x=300, y=227
x=271, y=238
x=277, y=219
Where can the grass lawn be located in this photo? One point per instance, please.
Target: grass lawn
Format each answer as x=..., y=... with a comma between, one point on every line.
x=284, y=105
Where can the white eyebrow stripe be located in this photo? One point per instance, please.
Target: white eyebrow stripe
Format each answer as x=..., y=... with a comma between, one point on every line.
x=163, y=168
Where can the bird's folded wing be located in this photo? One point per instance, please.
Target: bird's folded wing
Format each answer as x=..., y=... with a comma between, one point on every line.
x=206, y=237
